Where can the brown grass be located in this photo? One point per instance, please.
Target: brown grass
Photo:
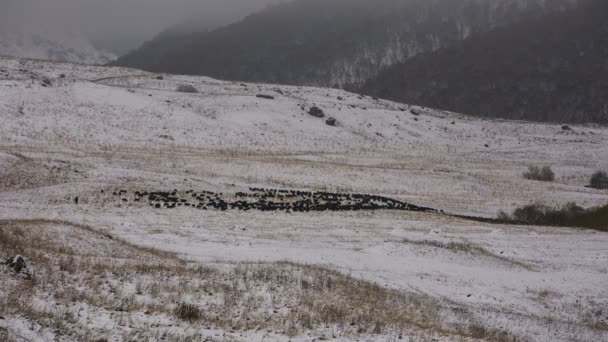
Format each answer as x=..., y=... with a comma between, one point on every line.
x=128, y=281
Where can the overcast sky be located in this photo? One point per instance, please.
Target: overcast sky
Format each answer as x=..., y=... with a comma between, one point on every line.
x=119, y=19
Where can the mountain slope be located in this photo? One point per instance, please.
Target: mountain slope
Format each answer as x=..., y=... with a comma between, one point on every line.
x=329, y=43
x=553, y=69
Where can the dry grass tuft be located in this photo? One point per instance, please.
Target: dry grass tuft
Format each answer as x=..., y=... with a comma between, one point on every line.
x=188, y=312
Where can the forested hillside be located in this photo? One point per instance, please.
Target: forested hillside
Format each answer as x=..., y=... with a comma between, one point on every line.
x=549, y=69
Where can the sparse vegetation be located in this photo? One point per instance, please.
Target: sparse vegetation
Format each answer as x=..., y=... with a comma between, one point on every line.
x=571, y=215
x=599, y=180
x=187, y=88
x=544, y=174
x=466, y=247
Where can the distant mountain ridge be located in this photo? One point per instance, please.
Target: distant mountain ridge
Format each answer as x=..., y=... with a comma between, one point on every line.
x=339, y=43
x=550, y=69
x=65, y=47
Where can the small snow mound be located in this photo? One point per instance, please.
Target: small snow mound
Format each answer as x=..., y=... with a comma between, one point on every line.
x=435, y=231
x=6, y=159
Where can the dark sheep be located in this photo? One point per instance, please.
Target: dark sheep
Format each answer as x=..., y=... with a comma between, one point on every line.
x=267, y=97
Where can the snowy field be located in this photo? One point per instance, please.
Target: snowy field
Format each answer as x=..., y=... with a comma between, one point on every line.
x=70, y=131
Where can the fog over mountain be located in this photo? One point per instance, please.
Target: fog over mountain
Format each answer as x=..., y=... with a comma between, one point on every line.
x=116, y=25
x=338, y=43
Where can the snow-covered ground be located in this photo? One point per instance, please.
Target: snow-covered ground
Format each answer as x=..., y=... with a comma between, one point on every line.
x=70, y=131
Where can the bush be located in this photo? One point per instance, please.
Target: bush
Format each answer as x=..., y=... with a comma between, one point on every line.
x=571, y=215
x=544, y=174
x=188, y=312
x=186, y=88
x=599, y=180
x=543, y=215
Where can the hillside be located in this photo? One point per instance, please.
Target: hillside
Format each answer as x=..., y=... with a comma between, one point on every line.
x=337, y=43
x=549, y=69
x=147, y=213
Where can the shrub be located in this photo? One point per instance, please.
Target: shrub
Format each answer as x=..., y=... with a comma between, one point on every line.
x=543, y=215
x=599, y=180
x=570, y=215
x=544, y=174
x=186, y=88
